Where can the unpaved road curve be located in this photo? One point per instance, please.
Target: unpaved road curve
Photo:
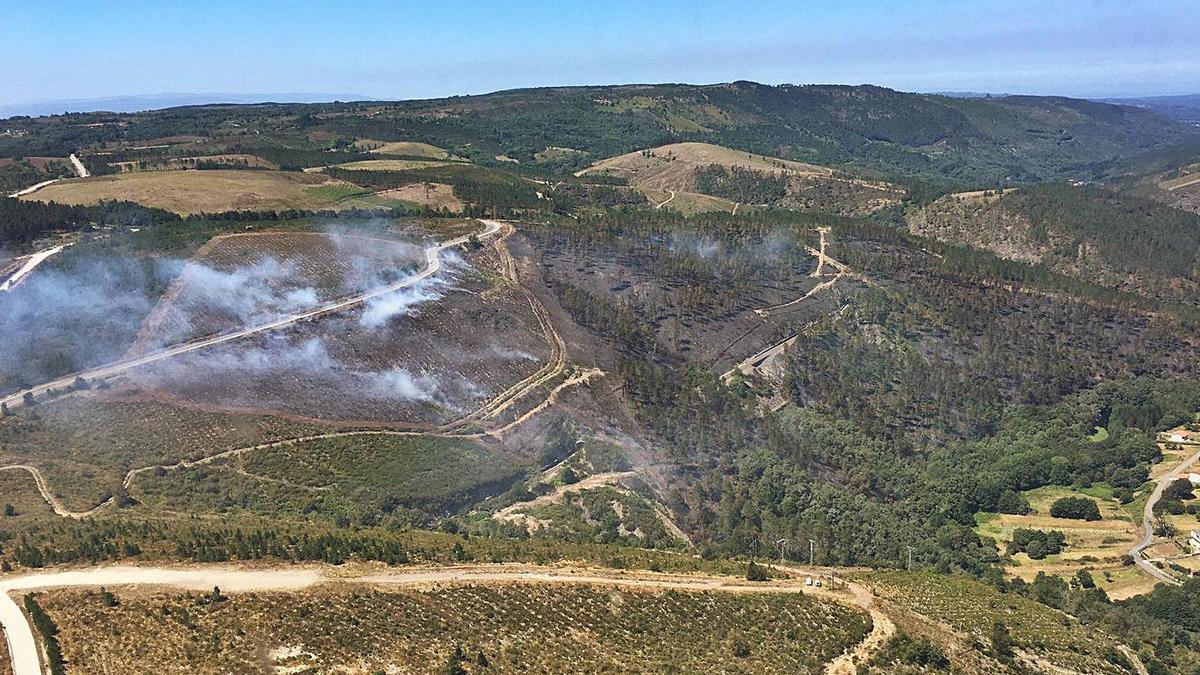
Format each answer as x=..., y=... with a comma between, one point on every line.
x=433, y=263
x=1138, y=550
x=26, y=657
x=75, y=164
x=34, y=188
x=44, y=488
x=30, y=263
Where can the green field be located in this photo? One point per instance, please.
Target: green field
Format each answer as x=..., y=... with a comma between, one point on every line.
x=363, y=478
x=85, y=444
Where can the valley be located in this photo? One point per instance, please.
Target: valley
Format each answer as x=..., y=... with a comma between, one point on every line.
x=561, y=379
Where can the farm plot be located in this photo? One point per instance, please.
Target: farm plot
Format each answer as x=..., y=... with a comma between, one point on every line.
x=366, y=477
x=421, y=356
x=85, y=444
x=433, y=195
x=1097, y=546
x=404, y=148
x=240, y=280
x=186, y=192
x=388, y=164
x=518, y=627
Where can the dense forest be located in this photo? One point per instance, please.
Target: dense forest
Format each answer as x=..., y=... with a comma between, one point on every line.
x=22, y=222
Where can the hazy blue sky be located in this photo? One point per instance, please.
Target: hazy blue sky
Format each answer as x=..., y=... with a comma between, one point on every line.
x=62, y=50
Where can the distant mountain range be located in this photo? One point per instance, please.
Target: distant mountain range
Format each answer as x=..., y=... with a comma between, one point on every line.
x=129, y=104
x=1185, y=108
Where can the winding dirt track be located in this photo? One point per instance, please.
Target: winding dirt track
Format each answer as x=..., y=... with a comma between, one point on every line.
x=26, y=657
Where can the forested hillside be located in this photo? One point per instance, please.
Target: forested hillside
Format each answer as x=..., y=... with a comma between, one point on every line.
x=1117, y=239
x=974, y=141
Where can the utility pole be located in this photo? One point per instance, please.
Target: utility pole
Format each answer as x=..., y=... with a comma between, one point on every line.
x=812, y=543
x=782, y=544
x=910, y=550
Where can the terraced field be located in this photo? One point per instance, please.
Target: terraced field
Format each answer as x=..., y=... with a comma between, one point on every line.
x=518, y=627
x=1097, y=546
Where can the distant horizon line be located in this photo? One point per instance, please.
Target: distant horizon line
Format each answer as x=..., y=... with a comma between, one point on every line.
x=129, y=102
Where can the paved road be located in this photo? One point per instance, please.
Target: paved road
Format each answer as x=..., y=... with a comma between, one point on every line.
x=26, y=657
x=433, y=263
x=1148, y=522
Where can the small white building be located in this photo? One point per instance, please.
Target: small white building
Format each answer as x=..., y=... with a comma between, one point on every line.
x=1180, y=436
x=1194, y=479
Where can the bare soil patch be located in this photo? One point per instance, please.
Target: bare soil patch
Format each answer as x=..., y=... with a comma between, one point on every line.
x=433, y=195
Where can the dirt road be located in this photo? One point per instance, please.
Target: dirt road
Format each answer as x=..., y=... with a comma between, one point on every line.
x=33, y=188
x=75, y=164
x=1138, y=550
x=26, y=656
x=30, y=263
x=665, y=201
x=79, y=167
x=433, y=263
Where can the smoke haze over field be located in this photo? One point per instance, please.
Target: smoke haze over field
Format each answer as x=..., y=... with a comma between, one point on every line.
x=73, y=313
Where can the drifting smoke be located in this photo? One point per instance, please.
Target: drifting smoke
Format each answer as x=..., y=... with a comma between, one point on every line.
x=703, y=246
x=380, y=310
x=250, y=294
x=70, y=314
x=506, y=353
x=76, y=312
x=276, y=354
x=402, y=384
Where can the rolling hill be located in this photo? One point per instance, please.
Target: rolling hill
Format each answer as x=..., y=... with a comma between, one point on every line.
x=975, y=141
x=689, y=172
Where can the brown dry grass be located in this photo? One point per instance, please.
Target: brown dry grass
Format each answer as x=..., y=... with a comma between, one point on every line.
x=433, y=195
x=687, y=203
x=671, y=167
x=388, y=164
x=187, y=192
x=411, y=148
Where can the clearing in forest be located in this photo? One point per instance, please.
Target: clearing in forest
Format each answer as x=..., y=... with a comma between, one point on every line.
x=1097, y=546
x=407, y=148
x=697, y=177
x=187, y=192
